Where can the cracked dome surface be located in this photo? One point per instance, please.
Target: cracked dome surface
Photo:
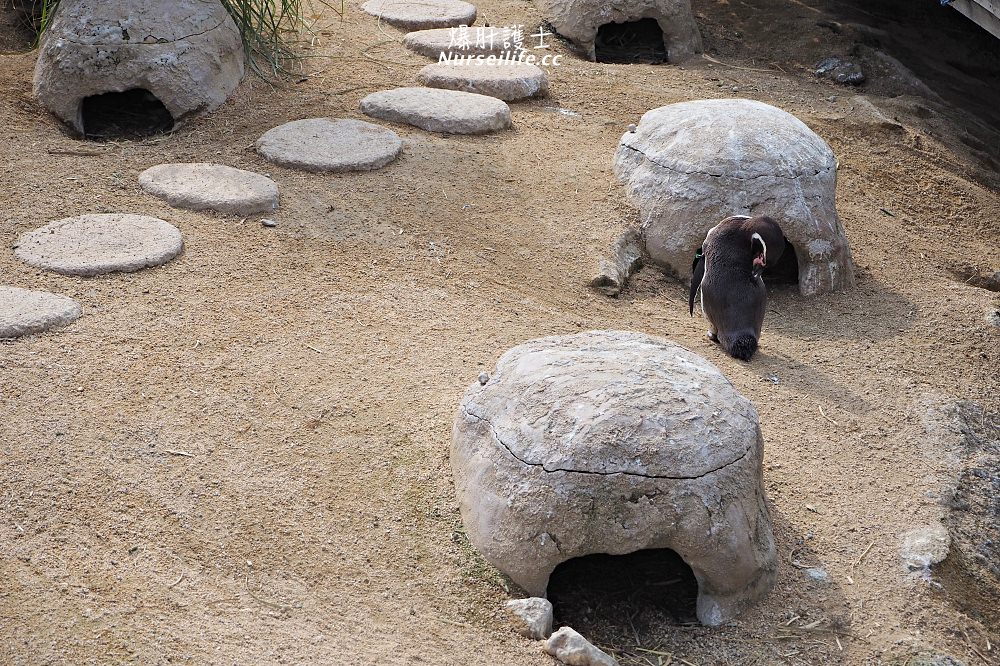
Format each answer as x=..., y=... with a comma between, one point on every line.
x=613, y=404
x=687, y=166
x=613, y=442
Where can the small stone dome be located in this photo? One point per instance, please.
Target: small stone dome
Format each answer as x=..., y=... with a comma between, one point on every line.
x=186, y=55
x=615, y=442
x=580, y=21
x=689, y=165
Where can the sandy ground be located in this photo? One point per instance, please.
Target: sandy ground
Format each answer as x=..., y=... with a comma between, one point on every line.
x=241, y=457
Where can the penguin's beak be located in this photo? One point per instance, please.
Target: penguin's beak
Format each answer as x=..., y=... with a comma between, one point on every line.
x=760, y=261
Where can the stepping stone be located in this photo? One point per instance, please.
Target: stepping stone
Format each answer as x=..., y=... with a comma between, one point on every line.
x=23, y=311
x=421, y=14
x=321, y=144
x=508, y=81
x=201, y=186
x=432, y=43
x=435, y=110
x=96, y=244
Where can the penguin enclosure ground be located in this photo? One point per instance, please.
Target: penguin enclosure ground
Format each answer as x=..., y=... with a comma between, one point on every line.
x=241, y=456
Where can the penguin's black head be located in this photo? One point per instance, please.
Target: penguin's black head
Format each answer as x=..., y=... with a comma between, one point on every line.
x=767, y=242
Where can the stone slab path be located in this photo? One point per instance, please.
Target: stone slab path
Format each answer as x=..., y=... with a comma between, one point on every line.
x=202, y=186
x=322, y=144
x=96, y=244
x=422, y=14
x=435, y=110
x=24, y=311
x=509, y=81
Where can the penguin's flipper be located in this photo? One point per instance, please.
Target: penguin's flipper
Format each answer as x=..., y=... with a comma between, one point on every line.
x=697, y=273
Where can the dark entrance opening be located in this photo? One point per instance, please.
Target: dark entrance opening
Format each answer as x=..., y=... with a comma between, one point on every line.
x=786, y=270
x=619, y=599
x=133, y=114
x=635, y=42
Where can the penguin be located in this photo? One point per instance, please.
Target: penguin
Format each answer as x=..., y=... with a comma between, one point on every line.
x=727, y=269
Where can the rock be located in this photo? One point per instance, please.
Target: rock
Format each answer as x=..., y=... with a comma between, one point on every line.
x=483, y=378
x=923, y=547
x=933, y=659
x=817, y=574
x=994, y=318
x=508, y=81
x=446, y=111
x=533, y=617
x=201, y=186
x=840, y=70
x=266, y=222
x=625, y=258
x=187, y=53
x=689, y=165
x=422, y=14
x=579, y=21
x=321, y=144
x=614, y=442
x=96, y=244
x=23, y=312
x=572, y=649
x=971, y=572
x=460, y=41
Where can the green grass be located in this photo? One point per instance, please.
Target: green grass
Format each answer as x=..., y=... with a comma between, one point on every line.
x=270, y=29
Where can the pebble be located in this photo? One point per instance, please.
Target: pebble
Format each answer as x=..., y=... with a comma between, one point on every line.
x=572, y=649
x=267, y=222
x=923, y=547
x=533, y=616
x=483, y=378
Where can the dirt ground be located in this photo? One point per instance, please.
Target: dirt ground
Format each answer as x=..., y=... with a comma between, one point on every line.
x=242, y=457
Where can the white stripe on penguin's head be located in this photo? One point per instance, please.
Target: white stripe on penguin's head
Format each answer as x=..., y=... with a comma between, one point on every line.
x=756, y=236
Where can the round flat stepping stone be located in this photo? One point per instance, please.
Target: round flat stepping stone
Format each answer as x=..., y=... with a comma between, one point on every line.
x=202, y=186
x=322, y=144
x=432, y=43
x=96, y=244
x=23, y=311
x=421, y=14
x=436, y=110
x=508, y=81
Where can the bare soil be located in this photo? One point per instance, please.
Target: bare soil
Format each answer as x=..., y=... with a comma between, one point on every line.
x=242, y=457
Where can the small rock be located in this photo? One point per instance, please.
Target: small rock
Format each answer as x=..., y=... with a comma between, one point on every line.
x=736, y=88
x=632, y=127
x=832, y=98
x=483, y=378
x=532, y=615
x=840, y=70
x=817, y=574
x=267, y=222
x=994, y=318
x=924, y=547
x=572, y=649
x=934, y=659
